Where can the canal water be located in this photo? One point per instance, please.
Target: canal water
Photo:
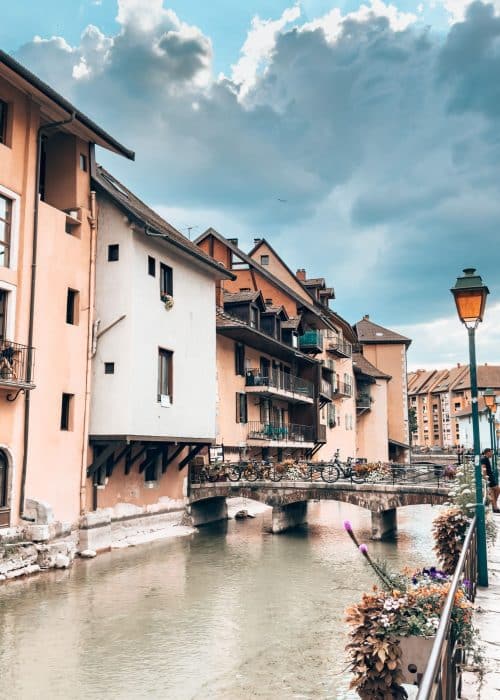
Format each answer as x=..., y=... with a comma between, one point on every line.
x=230, y=613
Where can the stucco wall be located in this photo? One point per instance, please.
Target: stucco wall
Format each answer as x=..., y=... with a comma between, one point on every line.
x=372, y=426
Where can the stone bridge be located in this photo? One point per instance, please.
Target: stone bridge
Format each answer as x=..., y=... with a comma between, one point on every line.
x=288, y=499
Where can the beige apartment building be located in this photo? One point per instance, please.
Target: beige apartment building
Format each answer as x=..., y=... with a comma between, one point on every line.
x=386, y=350
x=438, y=396
x=47, y=244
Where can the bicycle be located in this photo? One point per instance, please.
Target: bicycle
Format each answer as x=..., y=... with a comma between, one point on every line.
x=335, y=470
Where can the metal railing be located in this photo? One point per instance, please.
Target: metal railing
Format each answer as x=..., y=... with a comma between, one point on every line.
x=276, y=379
x=363, y=401
x=340, y=347
x=342, y=389
x=311, y=339
x=14, y=367
x=442, y=679
x=287, y=432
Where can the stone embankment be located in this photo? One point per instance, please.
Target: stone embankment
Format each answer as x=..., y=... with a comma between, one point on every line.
x=43, y=543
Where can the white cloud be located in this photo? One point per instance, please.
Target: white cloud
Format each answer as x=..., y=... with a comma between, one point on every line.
x=443, y=342
x=258, y=48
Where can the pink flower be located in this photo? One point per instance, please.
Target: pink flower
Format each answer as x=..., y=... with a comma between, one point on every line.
x=363, y=549
x=347, y=526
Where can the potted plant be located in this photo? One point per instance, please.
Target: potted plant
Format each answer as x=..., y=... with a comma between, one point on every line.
x=168, y=300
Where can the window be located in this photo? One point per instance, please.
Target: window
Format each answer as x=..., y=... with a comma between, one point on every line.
x=241, y=408
x=83, y=162
x=72, y=304
x=3, y=313
x=151, y=266
x=3, y=121
x=164, y=374
x=4, y=472
x=5, y=226
x=264, y=259
x=239, y=358
x=109, y=368
x=151, y=471
x=166, y=280
x=113, y=252
x=254, y=317
x=67, y=412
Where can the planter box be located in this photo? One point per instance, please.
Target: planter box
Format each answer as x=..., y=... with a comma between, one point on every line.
x=416, y=651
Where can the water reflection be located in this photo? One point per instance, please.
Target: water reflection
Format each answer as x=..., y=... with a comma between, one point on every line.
x=232, y=612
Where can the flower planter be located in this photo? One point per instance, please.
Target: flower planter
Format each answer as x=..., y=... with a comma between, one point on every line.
x=416, y=651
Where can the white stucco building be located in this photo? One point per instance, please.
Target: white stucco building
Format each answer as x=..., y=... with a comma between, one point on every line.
x=464, y=421
x=154, y=369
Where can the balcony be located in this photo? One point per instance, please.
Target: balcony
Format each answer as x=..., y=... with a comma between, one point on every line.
x=340, y=347
x=288, y=434
x=342, y=389
x=363, y=403
x=311, y=341
x=14, y=370
x=279, y=384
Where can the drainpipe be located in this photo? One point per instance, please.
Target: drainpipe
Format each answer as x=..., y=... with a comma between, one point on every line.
x=42, y=130
x=88, y=372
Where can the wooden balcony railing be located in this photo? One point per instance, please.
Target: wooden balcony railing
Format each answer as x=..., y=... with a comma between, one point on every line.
x=281, y=381
x=289, y=432
x=340, y=347
x=342, y=389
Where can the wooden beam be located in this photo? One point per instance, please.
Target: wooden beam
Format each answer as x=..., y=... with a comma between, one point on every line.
x=117, y=458
x=102, y=457
x=168, y=460
x=190, y=455
x=130, y=461
x=152, y=457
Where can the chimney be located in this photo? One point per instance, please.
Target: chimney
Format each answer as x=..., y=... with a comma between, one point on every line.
x=256, y=241
x=366, y=317
x=301, y=274
x=219, y=294
x=233, y=241
x=458, y=365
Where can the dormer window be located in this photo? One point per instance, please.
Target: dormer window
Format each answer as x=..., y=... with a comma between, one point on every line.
x=254, y=317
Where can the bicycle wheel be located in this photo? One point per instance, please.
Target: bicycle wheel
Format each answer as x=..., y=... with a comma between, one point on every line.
x=233, y=473
x=357, y=478
x=330, y=473
x=275, y=475
x=250, y=473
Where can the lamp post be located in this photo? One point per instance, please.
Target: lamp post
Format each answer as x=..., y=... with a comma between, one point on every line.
x=470, y=295
x=491, y=405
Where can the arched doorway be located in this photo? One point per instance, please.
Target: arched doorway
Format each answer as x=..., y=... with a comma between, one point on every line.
x=4, y=489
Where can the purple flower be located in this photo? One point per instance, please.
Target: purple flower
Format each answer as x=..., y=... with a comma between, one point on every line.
x=467, y=584
x=363, y=549
x=347, y=526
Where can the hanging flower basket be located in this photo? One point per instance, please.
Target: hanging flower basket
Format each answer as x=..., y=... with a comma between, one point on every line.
x=168, y=300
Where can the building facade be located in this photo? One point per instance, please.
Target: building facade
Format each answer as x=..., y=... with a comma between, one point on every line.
x=153, y=368
x=47, y=235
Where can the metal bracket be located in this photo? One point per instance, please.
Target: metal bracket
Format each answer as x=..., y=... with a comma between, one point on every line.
x=13, y=397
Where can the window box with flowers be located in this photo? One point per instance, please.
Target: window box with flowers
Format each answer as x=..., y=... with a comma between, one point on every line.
x=168, y=301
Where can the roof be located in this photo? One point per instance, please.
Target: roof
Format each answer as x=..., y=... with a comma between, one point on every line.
x=467, y=411
x=315, y=282
x=361, y=365
x=293, y=323
x=152, y=222
x=309, y=305
x=488, y=376
x=240, y=297
x=278, y=310
x=369, y=332
x=396, y=443
x=97, y=134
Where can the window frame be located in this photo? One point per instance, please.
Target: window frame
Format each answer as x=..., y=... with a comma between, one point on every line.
x=4, y=484
x=169, y=356
x=4, y=119
x=4, y=294
x=266, y=258
x=6, y=243
x=241, y=407
x=239, y=359
x=67, y=411
x=166, y=280
x=109, y=368
x=83, y=162
x=113, y=249
x=151, y=266
x=72, y=307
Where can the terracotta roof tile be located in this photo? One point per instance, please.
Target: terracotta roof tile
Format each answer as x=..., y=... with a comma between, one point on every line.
x=369, y=332
x=236, y=297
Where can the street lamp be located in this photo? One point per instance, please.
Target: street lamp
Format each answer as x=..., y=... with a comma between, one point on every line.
x=491, y=404
x=470, y=295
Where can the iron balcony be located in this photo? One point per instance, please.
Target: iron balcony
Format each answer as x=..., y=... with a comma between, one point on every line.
x=15, y=369
x=339, y=347
x=278, y=383
x=285, y=433
x=342, y=389
x=311, y=341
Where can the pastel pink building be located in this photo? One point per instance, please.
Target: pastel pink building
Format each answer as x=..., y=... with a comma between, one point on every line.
x=47, y=257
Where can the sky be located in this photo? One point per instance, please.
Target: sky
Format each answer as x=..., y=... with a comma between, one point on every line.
x=361, y=139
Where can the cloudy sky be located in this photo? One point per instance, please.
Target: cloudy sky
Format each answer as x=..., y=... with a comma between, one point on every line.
x=363, y=140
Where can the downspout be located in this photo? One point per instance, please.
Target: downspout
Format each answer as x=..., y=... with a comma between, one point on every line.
x=90, y=326
x=42, y=130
